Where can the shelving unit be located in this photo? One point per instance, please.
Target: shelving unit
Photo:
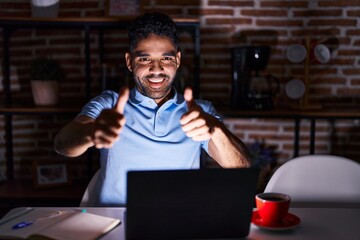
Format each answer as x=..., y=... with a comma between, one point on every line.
x=10, y=25
x=330, y=114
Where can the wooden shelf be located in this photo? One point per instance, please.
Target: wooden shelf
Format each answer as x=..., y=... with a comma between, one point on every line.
x=329, y=113
x=333, y=113
x=39, y=110
x=82, y=20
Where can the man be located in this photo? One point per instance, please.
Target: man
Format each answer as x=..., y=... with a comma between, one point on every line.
x=151, y=126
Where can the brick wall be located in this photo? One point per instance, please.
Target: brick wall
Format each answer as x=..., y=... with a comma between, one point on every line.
x=224, y=24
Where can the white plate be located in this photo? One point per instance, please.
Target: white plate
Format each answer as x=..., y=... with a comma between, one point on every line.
x=295, y=89
x=322, y=53
x=296, y=53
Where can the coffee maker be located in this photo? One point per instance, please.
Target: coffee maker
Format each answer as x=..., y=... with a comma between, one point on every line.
x=249, y=89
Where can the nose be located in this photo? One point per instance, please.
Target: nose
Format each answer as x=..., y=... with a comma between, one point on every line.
x=156, y=66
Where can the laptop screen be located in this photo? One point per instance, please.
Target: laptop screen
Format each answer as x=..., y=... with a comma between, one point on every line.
x=188, y=204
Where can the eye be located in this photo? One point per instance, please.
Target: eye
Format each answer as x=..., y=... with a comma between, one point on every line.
x=143, y=60
x=167, y=59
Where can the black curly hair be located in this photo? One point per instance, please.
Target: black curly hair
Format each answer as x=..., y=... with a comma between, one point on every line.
x=152, y=23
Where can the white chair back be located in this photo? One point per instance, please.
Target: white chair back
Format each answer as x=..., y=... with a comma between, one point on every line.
x=89, y=198
x=318, y=178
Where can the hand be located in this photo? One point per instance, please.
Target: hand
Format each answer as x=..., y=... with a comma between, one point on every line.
x=110, y=122
x=196, y=124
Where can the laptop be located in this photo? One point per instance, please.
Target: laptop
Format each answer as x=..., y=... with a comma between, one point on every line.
x=190, y=204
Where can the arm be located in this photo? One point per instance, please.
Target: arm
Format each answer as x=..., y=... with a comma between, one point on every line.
x=84, y=132
x=76, y=137
x=224, y=147
x=227, y=149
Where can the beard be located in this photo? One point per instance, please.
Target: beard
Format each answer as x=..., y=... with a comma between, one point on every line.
x=144, y=86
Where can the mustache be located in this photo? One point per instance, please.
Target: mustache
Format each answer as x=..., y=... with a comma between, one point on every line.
x=160, y=75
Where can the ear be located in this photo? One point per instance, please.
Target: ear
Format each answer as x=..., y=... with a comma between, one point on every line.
x=128, y=61
x=178, y=59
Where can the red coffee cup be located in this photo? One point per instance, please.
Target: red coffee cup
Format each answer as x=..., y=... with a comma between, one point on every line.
x=272, y=207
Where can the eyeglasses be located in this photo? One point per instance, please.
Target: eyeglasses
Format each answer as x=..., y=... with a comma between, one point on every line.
x=166, y=60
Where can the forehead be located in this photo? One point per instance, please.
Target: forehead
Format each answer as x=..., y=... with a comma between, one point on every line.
x=154, y=45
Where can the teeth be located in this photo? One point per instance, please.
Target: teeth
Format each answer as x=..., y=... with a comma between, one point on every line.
x=156, y=80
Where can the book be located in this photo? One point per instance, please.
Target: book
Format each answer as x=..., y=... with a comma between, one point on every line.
x=53, y=224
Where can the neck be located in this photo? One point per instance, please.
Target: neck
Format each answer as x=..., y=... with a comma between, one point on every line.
x=165, y=99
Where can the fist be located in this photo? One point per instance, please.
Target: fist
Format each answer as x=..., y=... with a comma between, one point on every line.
x=110, y=122
x=196, y=124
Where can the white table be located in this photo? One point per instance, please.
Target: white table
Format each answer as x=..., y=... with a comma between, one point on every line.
x=316, y=223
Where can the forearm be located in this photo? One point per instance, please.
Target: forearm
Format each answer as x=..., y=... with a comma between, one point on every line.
x=228, y=150
x=74, y=139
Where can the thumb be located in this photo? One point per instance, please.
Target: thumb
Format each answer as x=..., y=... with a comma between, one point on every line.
x=188, y=95
x=123, y=98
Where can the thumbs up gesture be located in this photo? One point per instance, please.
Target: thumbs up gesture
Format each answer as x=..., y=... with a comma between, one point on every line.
x=110, y=122
x=196, y=124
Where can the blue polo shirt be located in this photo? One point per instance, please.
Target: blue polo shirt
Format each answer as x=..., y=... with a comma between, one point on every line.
x=152, y=139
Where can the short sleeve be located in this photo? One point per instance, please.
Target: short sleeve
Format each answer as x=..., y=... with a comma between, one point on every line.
x=105, y=100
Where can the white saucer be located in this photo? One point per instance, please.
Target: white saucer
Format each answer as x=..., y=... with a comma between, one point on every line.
x=322, y=53
x=296, y=53
x=295, y=89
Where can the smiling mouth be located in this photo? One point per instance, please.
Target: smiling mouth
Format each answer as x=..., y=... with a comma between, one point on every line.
x=156, y=80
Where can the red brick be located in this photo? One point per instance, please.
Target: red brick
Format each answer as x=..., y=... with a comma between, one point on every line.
x=210, y=11
x=231, y=3
x=263, y=13
x=220, y=21
x=318, y=13
x=67, y=41
x=328, y=80
x=171, y=11
x=178, y=3
x=353, y=32
x=214, y=41
x=354, y=13
x=315, y=32
x=332, y=22
x=14, y=6
x=318, y=91
x=279, y=23
x=351, y=71
x=59, y=32
x=49, y=51
x=216, y=30
x=355, y=82
x=260, y=135
x=348, y=52
x=339, y=3
x=284, y=4
x=348, y=92
x=78, y=5
x=357, y=43
x=262, y=128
